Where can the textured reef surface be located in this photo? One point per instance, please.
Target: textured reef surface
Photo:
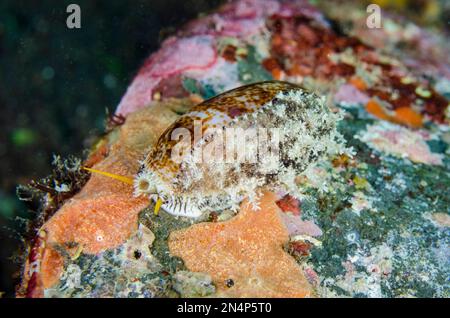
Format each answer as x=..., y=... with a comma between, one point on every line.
x=370, y=223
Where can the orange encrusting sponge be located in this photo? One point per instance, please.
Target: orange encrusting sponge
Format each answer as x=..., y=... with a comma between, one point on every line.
x=403, y=115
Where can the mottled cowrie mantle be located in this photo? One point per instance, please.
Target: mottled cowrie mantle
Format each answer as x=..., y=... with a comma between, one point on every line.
x=298, y=129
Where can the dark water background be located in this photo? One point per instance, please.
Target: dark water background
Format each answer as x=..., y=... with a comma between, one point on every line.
x=56, y=83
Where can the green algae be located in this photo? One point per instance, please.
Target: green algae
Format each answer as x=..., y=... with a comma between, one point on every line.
x=193, y=86
x=250, y=69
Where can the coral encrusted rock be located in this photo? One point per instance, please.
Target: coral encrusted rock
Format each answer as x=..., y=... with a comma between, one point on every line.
x=370, y=219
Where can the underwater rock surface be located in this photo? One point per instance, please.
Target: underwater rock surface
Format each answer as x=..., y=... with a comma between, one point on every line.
x=371, y=224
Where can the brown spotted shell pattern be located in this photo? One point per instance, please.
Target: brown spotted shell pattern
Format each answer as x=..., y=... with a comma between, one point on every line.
x=305, y=132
